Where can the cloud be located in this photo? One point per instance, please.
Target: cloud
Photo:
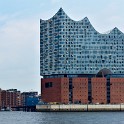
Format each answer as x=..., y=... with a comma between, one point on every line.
x=3, y=18
x=19, y=54
x=56, y=1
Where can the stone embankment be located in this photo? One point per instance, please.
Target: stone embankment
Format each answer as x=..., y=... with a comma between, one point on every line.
x=81, y=108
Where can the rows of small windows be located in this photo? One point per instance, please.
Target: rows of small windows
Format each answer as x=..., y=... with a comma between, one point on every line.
x=70, y=22
x=94, y=63
x=67, y=22
x=88, y=64
x=90, y=33
x=110, y=62
x=118, y=47
x=82, y=52
x=83, y=63
x=76, y=49
x=77, y=72
x=71, y=53
x=89, y=42
x=80, y=46
x=76, y=38
x=73, y=68
x=78, y=60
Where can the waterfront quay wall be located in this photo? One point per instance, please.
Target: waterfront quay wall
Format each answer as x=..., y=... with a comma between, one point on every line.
x=80, y=108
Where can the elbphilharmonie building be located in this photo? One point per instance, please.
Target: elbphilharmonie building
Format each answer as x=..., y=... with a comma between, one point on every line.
x=76, y=61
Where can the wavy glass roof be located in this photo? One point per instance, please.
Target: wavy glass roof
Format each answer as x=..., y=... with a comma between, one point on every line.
x=82, y=20
x=75, y=47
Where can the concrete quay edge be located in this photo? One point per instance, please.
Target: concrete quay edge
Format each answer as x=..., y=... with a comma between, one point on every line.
x=80, y=108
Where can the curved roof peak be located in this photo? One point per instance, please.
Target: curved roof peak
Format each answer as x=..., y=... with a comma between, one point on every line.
x=85, y=19
x=58, y=12
x=61, y=9
x=62, y=12
x=114, y=30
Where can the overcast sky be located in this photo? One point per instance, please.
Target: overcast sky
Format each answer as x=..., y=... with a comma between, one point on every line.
x=19, y=33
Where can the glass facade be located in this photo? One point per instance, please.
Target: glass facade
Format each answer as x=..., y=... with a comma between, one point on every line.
x=75, y=47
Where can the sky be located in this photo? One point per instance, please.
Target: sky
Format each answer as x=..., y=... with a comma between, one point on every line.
x=20, y=33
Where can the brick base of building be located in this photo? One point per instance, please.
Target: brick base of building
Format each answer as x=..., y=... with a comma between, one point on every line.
x=96, y=90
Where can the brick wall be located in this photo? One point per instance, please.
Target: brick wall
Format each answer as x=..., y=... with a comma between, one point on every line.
x=99, y=94
x=58, y=92
x=9, y=99
x=80, y=90
x=116, y=90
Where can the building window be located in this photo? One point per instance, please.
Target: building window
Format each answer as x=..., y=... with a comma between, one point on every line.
x=48, y=84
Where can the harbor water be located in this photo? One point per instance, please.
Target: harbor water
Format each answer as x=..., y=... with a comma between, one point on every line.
x=61, y=117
